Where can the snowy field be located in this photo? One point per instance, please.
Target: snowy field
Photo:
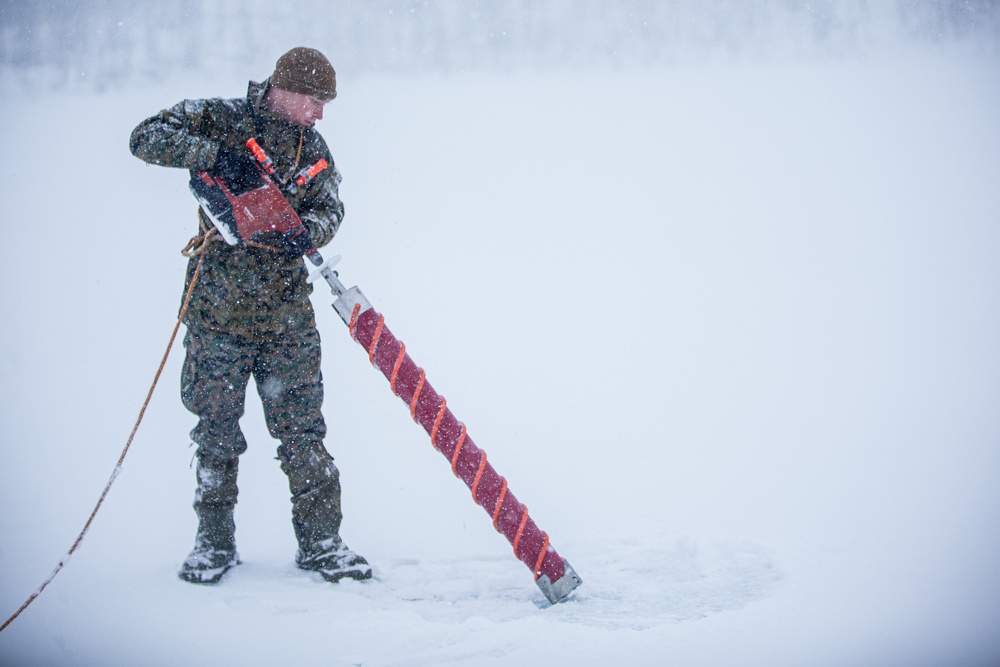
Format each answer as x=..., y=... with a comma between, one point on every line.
x=730, y=331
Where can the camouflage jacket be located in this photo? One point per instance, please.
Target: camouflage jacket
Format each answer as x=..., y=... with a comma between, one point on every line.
x=251, y=292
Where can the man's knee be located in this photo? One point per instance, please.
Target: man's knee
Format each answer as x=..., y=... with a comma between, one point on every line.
x=290, y=385
x=222, y=440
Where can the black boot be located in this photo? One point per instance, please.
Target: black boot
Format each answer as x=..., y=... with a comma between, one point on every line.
x=214, y=550
x=315, y=485
x=334, y=561
x=214, y=547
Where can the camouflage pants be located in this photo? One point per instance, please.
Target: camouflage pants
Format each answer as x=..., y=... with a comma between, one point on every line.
x=286, y=369
x=287, y=373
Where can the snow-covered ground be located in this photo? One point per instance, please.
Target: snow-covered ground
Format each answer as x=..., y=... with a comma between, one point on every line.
x=731, y=332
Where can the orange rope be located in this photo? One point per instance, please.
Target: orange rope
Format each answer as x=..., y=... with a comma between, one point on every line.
x=354, y=319
x=437, y=424
x=520, y=529
x=416, y=394
x=458, y=450
x=496, y=510
x=375, y=339
x=541, y=555
x=198, y=244
x=121, y=459
x=479, y=475
x=298, y=155
x=395, y=369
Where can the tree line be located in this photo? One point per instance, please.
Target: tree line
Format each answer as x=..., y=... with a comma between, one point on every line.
x=108, y=44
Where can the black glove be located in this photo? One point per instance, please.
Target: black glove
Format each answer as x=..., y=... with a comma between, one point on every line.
x=297, y=241
x=237, y=171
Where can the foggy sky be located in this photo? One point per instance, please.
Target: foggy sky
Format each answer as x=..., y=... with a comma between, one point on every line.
x=114, y=44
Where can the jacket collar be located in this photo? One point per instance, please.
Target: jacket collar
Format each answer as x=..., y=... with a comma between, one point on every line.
x=255, y=96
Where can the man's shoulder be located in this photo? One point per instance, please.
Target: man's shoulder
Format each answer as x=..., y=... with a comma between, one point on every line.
x=213, y=109
x=219, y=104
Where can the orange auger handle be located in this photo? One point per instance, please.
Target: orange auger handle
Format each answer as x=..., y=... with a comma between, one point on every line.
x=310, y=173
x=299, y=180
x=265, y=162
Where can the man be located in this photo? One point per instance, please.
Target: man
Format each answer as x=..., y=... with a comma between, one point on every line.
x=249, y=312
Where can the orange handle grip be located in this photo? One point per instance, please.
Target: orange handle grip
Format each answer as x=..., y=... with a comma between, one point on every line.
x=260, y=155
x=307, y=175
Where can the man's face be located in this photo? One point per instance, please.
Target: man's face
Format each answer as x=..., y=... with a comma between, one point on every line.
x=296, y=108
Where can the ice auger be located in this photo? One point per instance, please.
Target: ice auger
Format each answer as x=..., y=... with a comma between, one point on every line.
x=554, y=576
x=252, y=204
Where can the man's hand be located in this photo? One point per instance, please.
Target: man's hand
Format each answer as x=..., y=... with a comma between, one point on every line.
x=237, y=171
x=297, y=241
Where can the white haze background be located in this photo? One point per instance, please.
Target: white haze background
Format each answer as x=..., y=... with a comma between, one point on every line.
x=726, y=317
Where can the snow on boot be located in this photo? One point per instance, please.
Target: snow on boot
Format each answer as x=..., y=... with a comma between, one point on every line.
x=316, y=515
x=214, y=550
x=334, y=561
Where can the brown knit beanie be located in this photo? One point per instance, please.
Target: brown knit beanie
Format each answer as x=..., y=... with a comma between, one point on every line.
x=306, y=71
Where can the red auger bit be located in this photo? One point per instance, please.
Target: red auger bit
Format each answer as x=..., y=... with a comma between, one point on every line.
x=262, y=208
x=554, y=576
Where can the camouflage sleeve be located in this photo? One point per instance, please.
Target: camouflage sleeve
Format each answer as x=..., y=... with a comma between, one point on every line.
x=185, y=136
x=322, y=211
